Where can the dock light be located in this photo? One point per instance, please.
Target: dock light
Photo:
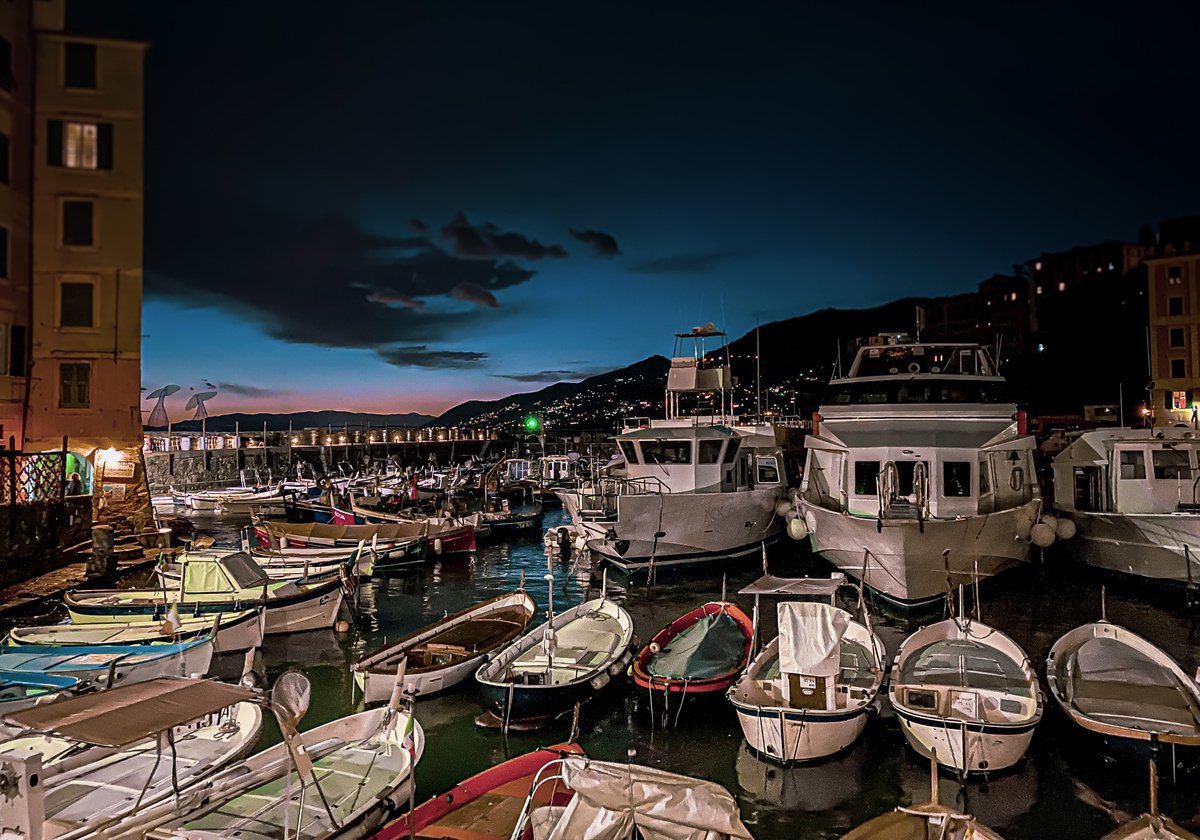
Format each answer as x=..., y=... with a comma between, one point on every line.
x=108, y=456
x=295, y=439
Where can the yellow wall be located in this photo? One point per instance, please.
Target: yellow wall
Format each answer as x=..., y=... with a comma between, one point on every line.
x=112, y=346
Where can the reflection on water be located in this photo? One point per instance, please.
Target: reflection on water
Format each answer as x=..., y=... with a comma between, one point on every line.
x=1066, y=788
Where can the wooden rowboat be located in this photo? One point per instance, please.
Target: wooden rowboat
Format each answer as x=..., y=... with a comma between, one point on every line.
x=487, y=805
x=445, y=653
x=235, y=631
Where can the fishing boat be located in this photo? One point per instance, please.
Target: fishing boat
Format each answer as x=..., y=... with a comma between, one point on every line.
x=1130, y=497
x=1113, y=682
x=488, y=805
x=923, y=822
x=236, y=631
x=216, y=582
x=698, y=488
x=98, y=764
x=506, y=523
x=701, y=652
x=341, y=779
x=446, y=652
x=22, y=689
x=565, y=662
x=965, y=692
x=447, y=535
x=918, y=470
x=103, y=666
x=812, y=689
x=280, y=566
x=395, y=544
x=628, y=801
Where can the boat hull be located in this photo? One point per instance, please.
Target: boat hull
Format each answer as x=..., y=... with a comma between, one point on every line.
x=906, y=563
x=694, y=528
x=100, y=666
x=712, y=685
x=986, y=748
x=791, y=736
x=1149, y=545
x=313, y=609
x=240, y=632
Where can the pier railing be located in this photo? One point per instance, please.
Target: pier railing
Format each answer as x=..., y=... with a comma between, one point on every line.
x=180, y=441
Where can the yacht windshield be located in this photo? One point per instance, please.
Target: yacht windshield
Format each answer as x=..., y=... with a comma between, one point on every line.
x=922, y=390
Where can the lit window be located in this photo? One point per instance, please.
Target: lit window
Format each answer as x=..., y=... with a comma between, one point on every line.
x=1062, y=286
x=82, y=145
x=1012, y=296
x=1039, y=290
x=1037, y=266
x=1174, y=275
x=1179, y=400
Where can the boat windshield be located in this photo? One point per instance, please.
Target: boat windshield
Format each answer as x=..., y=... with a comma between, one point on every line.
x=917, y=390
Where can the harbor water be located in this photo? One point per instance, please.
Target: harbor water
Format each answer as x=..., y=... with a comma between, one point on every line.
x=1068, y=787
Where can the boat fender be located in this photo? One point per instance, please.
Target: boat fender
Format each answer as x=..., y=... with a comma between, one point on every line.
x=1050, y=520
x=437, y=546
x=783, y=507
x=1065, y=529
x=617, y=667
x=655, y=647
x=283, y=542
x=1042, y=535
x=599, y=681
x=797, y=528
x=564, y=543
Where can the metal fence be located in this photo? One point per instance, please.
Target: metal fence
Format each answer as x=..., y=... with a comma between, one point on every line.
x=27, y=478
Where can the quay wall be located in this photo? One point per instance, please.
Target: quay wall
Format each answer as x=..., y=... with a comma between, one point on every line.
x=32, y=535
x=199, y=469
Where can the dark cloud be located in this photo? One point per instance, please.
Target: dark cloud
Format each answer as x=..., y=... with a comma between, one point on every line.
x=244, y=390
x=602, y=244
x=480, y=242
x=422, y=356
x=474, y=294
x=684, y=263
x=549, y=376
x=420, y=227
x=327, y=282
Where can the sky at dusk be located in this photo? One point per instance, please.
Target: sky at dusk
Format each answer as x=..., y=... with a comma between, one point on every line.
x=396, y=206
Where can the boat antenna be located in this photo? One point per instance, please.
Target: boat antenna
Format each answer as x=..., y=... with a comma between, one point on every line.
x=1103, y=603
x=758, y=370
x=723, y=598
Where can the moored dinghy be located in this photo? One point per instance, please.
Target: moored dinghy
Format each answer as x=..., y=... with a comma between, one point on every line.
x=701, y=652
x=104, y=759
x=626, y=801
x=924, y=822
x=235, y=631
x=565, y=662
x=1113, y=682
x=967, y=693
x=811, y=691
x=218, y=582
x=445, y=653
x=487, y=805
x=22, y=689
x=349, y=774
x=1151, y=826
x=103, y=666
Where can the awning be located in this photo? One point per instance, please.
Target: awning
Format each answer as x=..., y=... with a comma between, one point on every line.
x=810, y=638
x=611, y=800
x=122, y=716
x=771, y=585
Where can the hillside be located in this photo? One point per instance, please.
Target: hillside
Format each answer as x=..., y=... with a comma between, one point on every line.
x=302, y=420
x=597, y=402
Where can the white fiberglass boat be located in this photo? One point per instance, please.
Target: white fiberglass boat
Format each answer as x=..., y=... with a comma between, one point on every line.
x=918, y=477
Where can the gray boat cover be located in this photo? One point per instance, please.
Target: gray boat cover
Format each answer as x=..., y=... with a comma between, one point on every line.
x=810, y=638
x=611, y=800
x=771, y=585
x=712, y=646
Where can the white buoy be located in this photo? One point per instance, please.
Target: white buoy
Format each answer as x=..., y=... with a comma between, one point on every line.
x=437, y=546
x=1051, y=520
x=797, y=528
x=1042, y=535
x=1065, y=529
x=782, y=507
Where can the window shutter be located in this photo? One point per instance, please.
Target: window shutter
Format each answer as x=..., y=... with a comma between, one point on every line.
x=54, y=143
x=104, y=143
x=16, y=351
